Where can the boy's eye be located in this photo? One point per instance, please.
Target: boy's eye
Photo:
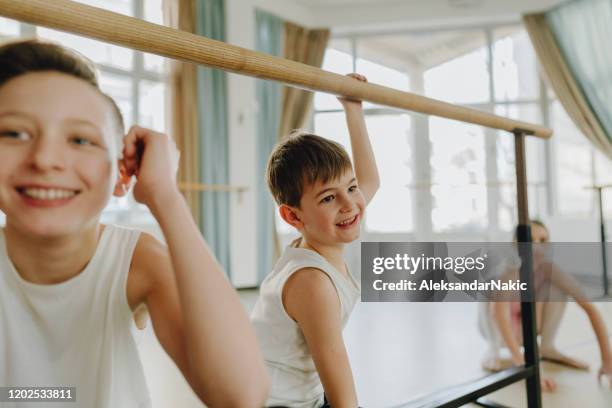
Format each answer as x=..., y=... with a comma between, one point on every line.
x=82, y=141
x=352, y=189
x=15, y=134
x=327, y=199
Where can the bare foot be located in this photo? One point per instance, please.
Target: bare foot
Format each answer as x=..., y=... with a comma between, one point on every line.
x=604, y=377
x=555, y=356
x=496, y=363
x=548, y=384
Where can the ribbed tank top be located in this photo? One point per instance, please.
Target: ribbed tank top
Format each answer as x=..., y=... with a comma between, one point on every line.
x=295, y=381
x=77, y=333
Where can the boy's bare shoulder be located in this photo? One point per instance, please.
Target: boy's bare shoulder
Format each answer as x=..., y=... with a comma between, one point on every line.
x=309, y=280
x=149, y=250
x=150, y=263
x=309, y=289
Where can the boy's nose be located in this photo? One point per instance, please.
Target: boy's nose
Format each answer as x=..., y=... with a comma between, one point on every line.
x=346, y=204
x=46, y=155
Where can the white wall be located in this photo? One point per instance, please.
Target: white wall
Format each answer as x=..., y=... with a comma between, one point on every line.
x=242, y=112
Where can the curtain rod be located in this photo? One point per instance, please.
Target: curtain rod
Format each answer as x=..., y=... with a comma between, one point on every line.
x=107, y=26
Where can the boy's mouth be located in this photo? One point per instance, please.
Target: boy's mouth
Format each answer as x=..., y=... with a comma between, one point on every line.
x=348, y=222
x=47, y=196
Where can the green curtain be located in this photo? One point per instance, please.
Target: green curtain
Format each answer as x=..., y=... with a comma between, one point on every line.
x=583, y=29
x=214, y=146
x=269, y=33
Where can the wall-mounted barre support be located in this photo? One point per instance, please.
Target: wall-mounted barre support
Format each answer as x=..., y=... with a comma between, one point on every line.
x=144, y=36
x=602, y=236
x=528, y=312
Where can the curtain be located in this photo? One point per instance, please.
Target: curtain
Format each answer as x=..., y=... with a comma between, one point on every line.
x=306, y=46
x=570, y=41
x=182, y=104
x=269, y=33
x=214, y=143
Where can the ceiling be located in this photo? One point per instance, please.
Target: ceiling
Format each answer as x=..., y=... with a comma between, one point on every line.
x=360, y=15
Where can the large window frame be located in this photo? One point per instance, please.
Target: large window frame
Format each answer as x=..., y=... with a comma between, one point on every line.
x=543, y=192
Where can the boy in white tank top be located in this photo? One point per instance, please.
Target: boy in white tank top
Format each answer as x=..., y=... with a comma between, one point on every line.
x=306, y=300
x=69, y=286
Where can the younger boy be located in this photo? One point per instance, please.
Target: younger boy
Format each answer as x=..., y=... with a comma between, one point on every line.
x=307, y=298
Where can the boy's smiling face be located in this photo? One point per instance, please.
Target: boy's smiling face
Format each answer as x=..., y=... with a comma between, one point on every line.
x=57, y=154
x=330, y=213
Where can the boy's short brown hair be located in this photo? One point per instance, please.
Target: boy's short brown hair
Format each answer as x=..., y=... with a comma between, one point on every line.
x=300, y=159
x=25, y=56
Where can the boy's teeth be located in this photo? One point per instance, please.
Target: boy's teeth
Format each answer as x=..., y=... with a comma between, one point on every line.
x=347, y=221
x=48, y=193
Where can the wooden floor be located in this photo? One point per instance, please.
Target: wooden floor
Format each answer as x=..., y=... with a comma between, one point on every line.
x=400, y=351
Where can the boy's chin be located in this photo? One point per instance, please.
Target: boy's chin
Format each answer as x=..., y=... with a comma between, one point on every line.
x=46, y=228
x=350, y=238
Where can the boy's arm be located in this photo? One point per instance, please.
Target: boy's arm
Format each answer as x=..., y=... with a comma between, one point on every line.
x=310, y=298
x=196, y=313
x=363, y=155
x=501, y=317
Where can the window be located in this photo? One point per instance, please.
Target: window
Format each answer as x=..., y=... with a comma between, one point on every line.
x=134, y=80
x=435, y=169
x=573, y=166
x=460, y=75
x=458, y=175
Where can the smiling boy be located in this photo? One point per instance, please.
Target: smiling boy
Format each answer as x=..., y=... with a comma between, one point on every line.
x=69, y=285
x=307, y=298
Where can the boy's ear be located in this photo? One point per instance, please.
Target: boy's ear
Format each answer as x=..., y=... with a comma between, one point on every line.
x=124, y=182
x=291, y=216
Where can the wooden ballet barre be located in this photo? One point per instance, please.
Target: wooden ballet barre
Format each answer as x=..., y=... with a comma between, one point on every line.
x=422, y=184
x=185, y=186
x=598, y=187
x=144, y=36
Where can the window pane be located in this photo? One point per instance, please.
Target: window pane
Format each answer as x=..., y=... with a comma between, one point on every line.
x=391, y=207
x=384, y=61
x=573, y=165
x=153, y=12
x=333, y=126
x=458, y=166
x=514, y=65
x=153, y=62
x=98, y=52
x=120, y=89
x=9, y=27
x=460, y=73
x=118, y=6
x=337, y=59
x=152, y=105
x=506, y=173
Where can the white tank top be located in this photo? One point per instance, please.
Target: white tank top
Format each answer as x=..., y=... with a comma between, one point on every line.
x=77, y=333
x=295, y=382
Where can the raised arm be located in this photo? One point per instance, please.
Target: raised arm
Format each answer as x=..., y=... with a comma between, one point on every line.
x=196, y=313
x=363, y=156
x=312, y=301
